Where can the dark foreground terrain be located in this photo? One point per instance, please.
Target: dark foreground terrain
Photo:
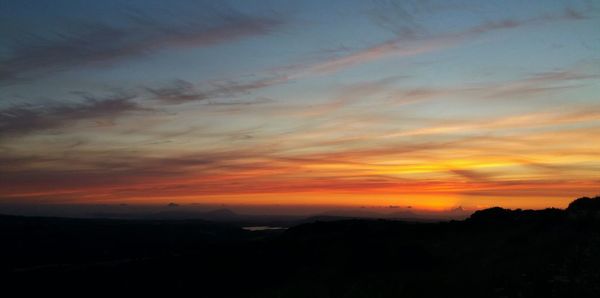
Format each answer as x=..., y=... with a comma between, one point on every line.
x=494, y=253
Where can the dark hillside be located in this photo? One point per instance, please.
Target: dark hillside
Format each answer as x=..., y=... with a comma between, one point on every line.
x=495, y=253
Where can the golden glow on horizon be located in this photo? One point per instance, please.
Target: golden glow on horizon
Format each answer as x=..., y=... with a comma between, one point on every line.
x=471, y=174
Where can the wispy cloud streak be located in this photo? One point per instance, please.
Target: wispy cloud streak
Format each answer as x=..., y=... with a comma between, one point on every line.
x=406, y=45
x=95, y=44
x=26, y=118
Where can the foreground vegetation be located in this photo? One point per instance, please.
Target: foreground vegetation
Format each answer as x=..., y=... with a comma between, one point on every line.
x=494, y=253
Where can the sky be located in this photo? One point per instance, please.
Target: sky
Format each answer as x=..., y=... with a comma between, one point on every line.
x=421, y=104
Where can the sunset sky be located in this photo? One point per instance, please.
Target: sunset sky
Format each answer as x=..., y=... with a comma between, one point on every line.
x=430, y=104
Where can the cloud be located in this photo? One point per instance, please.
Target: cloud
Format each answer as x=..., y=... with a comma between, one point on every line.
x=521, y=88
x=225, y=88
x=403, y=18
x=410, y=41
x=534, y=188
x=551, y=81
x=96, y=44
x=27, y=118
x=389, y=168
x=549, y=119
x=239, y=172
x=379, y=51
x=470, y=174
x=177, y=91
x=258, y=100
x=182, y=91
x=94, y=172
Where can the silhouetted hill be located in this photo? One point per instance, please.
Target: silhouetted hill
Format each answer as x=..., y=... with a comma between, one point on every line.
x=218, y=215
x=213, y=215
x=585, y=204
x=36, y=241
x=497, y=215
x=496, y=252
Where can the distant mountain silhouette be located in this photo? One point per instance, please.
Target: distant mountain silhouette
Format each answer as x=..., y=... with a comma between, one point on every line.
x=404, y=215
x=173, y=211
x=496, y=252
x=221, y=213
x=214, y=215
x=352, y=214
